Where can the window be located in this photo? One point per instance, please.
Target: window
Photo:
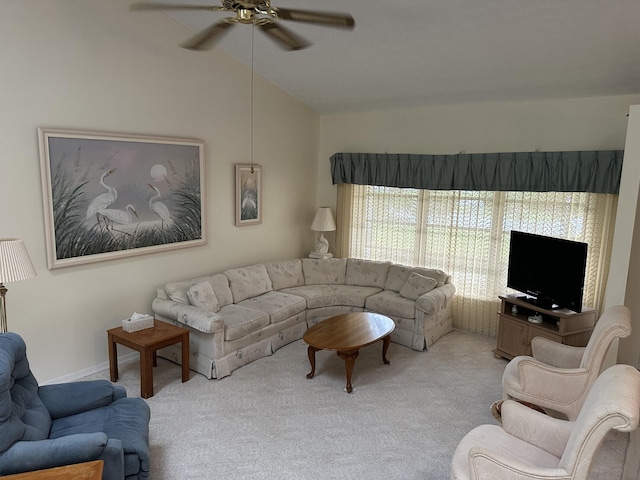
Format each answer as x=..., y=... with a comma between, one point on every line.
x=466, y=234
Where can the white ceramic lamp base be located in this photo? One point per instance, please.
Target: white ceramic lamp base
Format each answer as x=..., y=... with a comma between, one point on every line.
x=322, y=248
x=322, y=256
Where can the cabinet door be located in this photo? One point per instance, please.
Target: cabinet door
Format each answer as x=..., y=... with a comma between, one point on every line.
x=541, y=332
x=512, y=336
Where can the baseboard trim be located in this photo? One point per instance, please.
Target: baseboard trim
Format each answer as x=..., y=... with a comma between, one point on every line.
x=80, y=374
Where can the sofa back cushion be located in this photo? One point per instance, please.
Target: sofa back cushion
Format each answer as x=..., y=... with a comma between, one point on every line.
x=417, y=285
x=366, y=273
x=201, y=295
x=438, y=275
x=23, y=416
x=247, y=282
x=177, y=291
x=398, y=275
x=220, y=284
x=285, y=274
x=330, y=271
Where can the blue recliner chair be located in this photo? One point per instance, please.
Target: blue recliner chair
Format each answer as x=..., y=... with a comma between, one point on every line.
x=55, y=425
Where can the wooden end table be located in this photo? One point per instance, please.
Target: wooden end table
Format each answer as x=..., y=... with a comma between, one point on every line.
x=347, y=334
x=146, y=342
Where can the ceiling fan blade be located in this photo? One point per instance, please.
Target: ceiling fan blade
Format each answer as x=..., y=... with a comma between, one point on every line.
x=282, y=36
x=328, y=19
x=174, y=6
x=206, y=37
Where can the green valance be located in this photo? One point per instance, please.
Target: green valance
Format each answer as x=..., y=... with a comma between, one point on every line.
x=579, y=171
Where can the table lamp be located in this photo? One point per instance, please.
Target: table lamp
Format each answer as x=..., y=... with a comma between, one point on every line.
x=322, y=222
x=15, y=265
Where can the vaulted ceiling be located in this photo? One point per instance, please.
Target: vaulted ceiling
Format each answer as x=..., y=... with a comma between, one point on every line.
x=405, y=53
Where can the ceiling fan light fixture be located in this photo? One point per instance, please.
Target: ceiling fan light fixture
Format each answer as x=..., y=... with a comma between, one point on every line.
x=245, y=16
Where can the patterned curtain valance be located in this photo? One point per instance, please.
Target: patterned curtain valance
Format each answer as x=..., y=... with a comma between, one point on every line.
x=592, y=171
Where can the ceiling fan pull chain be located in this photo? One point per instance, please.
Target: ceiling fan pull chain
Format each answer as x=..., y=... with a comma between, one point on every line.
x=251, y=112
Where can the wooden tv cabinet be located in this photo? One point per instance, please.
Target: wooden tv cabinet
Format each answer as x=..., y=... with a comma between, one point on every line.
x=515, y=331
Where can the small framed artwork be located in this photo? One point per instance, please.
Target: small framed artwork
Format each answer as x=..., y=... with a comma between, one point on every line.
x=111, y=195
x=248, y=195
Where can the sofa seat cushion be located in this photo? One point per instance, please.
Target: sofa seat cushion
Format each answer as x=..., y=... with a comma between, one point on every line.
x=279, y=305
x=247, y=282
x=240, y=321
x=328, y=295
x=389, y=302
x=84, y=422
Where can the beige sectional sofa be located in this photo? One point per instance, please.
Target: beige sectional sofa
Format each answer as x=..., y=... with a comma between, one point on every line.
x=242, y=314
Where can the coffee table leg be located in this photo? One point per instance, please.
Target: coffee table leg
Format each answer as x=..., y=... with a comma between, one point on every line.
x=385, y=346
x=349, y=361
x=311, y=352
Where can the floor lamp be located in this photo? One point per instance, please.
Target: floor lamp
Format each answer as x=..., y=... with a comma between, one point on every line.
x=15, y=265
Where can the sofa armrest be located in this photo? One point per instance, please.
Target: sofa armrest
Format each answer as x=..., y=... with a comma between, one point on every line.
x=64, y=399
x=26, y=456
x=194, y=317
x=436, y=299
x=536, y=378
x=556, y=354
x=488, y=463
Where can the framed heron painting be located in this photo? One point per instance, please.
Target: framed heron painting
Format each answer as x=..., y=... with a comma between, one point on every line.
x=112, y=195
x=248, y=195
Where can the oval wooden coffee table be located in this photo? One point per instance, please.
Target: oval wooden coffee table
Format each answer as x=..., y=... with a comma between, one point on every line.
x=347, y=334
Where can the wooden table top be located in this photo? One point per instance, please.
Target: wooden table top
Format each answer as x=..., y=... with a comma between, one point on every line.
x=149, y=336
x=78, y=471
x=349, y=331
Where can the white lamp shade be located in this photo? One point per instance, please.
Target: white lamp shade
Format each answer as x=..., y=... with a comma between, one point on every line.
x=15, y=263
x=323, y=221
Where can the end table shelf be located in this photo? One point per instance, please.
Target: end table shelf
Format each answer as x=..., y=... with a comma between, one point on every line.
x=515, y=331
x=146, y=342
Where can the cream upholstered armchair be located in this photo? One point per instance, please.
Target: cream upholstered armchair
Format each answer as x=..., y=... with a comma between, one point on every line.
x=558, y=377
x=531, y=445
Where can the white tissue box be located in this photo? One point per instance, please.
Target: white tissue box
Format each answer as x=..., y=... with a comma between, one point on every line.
x=138, y=323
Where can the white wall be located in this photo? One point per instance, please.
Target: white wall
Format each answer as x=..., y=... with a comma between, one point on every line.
x=577, y=124
x=93, y=65
x=626, y=284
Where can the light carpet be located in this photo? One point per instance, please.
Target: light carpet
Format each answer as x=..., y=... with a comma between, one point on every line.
x=268, y=421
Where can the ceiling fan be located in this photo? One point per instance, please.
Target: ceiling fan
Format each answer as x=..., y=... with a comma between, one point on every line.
x=256, y=12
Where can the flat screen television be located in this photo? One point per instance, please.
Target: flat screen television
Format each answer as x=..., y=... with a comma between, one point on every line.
x=550, y=270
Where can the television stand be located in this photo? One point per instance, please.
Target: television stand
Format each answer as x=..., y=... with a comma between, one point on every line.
x=515, y=331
